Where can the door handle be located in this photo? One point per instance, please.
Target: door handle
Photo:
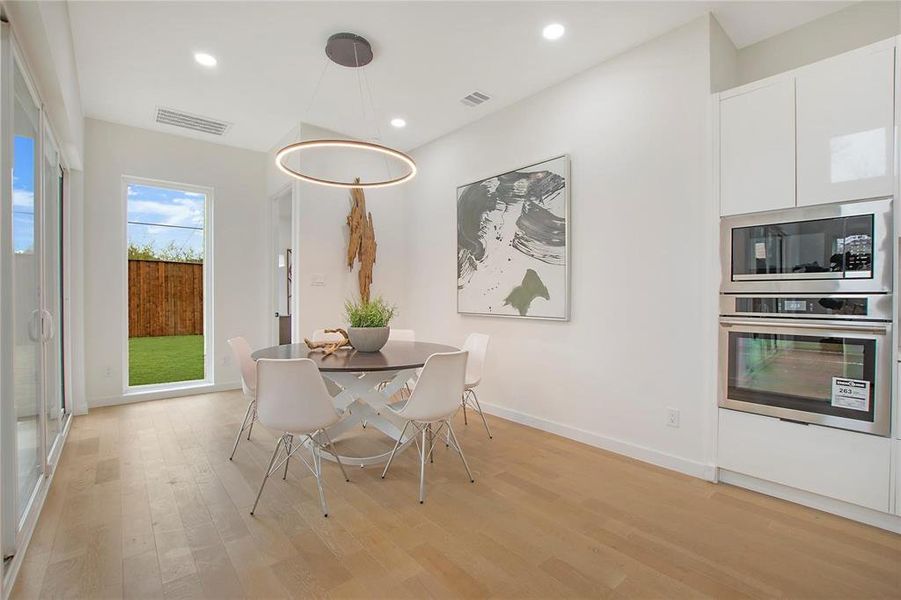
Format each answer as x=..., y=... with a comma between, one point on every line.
x=47, y=318
x=33, y=325
x=836, y=327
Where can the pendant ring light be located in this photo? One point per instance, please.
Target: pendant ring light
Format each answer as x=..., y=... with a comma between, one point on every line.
x=352, y=51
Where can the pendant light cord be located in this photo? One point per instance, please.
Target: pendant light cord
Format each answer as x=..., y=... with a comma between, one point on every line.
x=361, y=77
x=309, y=107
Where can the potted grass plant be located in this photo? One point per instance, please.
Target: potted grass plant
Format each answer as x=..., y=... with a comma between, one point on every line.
x=368, y=331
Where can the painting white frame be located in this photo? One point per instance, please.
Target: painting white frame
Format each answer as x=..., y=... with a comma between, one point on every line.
x=567, y=200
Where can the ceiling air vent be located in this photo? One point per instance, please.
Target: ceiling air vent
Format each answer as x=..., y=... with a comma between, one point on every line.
x=475, y=98
x=177, y=118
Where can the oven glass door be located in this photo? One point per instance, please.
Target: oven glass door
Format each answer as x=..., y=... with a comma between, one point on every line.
x=817, y=373
x=832, y=248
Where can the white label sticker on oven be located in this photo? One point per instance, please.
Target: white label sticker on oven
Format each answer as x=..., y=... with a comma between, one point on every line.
x=760, y=250
x=851, y=393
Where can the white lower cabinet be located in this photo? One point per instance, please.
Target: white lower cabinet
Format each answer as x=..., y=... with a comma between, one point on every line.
x=847, y=466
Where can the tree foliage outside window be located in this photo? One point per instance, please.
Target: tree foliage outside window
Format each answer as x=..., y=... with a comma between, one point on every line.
x=171, y=252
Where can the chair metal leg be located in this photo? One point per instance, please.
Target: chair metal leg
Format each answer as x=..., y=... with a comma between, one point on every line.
x=289, y=447
x=253, y=418
x=460, y=450
x=481, y=414
x=278, y=446
x=394, y=450
x=465, y=422
x=332, y=451
x=317, y=463
x=431, y=444
x=241, y=429
x=422, y=467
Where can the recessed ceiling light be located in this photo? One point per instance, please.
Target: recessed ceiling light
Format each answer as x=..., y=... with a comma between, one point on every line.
x=554, y=31
x=398, y=122
x=207, y=60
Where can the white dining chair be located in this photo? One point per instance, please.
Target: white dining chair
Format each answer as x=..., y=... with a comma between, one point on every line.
x=241, y=351
x=477, y=346
x=401, y=335
x=435, y=399
x=292, y=399
x=321, y=336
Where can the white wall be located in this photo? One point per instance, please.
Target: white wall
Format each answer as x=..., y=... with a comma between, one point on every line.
x=643, y=282
x=321, y=222
x=240, y=242
x=858, y=25
x=723, y=58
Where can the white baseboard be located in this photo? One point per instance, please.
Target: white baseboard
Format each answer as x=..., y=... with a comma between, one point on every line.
x=830, y=505
x=174, y=392
x=642, y=453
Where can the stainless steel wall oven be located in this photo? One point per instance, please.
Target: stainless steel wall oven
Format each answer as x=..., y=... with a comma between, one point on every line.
x=830, y=365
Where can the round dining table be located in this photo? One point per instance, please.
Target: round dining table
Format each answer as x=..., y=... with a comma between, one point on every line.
x=366, y=383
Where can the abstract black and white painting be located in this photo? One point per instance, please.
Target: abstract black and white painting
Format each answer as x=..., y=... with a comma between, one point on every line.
x=512, y=243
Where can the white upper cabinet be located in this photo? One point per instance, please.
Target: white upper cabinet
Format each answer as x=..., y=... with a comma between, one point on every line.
x=845, y=127
x=757, y=149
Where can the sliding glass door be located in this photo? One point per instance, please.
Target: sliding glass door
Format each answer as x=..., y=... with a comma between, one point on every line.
x=25, y=325
x=52, y=259
x=32, y=404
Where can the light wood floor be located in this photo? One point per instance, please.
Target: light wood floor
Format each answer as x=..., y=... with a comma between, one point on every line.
x=146, y=504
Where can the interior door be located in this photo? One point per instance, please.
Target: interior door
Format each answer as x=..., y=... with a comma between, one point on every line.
x=283, y=265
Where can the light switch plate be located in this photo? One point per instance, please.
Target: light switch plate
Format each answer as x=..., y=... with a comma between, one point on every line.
x=317, y=279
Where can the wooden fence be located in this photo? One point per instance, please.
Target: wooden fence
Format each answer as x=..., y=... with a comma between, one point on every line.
x=164, y=298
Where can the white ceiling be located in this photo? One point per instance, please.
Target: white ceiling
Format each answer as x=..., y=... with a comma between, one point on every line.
x=135, y=56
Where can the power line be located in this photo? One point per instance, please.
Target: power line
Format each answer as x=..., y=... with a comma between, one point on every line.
x=165, y=225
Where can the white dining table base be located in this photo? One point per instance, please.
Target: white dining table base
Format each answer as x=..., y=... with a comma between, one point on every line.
x=363, y=399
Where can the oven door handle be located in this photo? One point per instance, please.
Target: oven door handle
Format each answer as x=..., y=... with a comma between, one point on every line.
x=832, y=326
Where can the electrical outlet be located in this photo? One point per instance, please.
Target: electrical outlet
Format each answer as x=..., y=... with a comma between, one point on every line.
x=108, y=372
x=672, y=417
x=317, y=279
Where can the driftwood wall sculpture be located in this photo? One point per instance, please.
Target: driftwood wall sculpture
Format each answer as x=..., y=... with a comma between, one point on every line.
x=361, y=245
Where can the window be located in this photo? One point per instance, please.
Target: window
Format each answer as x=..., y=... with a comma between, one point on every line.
x=167, y=292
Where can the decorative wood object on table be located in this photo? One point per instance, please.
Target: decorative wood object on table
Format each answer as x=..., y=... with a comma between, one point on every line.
x=361, y=245
x=329, y=347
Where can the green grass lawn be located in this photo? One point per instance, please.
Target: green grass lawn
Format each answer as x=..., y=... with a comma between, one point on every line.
x=165, y=359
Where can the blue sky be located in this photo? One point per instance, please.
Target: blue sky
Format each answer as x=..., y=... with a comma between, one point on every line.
x=23, y=194
x=161, y=207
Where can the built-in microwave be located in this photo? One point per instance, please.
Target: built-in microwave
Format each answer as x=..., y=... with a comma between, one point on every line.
x=817, y=249
x=824, y=360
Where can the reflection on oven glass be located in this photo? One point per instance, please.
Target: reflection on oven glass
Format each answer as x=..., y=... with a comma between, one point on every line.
x=801, y=366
